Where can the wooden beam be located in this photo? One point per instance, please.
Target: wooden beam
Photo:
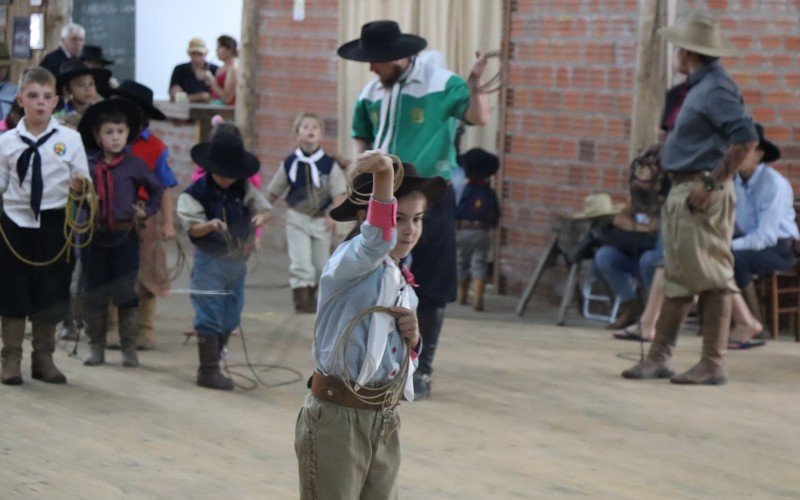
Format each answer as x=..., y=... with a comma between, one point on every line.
x=246, y=87
x=650, y=76
x=57, y=15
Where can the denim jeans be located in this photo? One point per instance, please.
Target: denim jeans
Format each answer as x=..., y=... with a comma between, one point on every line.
x=622, y=272
x=215, y=314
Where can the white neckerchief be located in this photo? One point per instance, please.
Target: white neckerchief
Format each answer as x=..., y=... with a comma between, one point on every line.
x=382, y=324
x=312, y=164
x=389, y=107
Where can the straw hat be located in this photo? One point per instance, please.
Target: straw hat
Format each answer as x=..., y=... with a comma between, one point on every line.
x=699, y=33
x=197, y=45
x=598, y=205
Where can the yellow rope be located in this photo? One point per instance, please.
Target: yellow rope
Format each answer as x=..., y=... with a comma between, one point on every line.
x=72, y=226
x=359, y=198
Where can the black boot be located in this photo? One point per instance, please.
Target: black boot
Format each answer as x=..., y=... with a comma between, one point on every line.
x=208, y=375
x=96, y=325
x=128, y=333
x=430, y=325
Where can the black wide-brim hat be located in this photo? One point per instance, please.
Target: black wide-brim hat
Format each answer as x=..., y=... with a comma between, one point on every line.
x=381, y=41
x=89, y=120
x=771, y=151
x=432, y=187
x=94, y=53
x=139, y=94
x=226, y=157
x=479, y=163
x=73, y=68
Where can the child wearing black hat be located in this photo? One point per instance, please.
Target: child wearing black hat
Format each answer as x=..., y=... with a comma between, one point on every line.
x=77, y=86
x=477, y=214
x=367, y=338
x=220, y=211
x=111, y=262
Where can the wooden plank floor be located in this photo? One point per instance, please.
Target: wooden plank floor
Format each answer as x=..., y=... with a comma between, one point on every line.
x=520, y=409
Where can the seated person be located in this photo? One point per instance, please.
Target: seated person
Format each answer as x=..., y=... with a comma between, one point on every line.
x=190, y=77
x=765, y=230
x=92, y=57
x=629, y=252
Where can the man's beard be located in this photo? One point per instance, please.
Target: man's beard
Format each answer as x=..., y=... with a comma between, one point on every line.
x=397, y=72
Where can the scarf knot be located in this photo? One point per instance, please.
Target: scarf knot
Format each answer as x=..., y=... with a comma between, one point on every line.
x=312, y=160
x=105, y=187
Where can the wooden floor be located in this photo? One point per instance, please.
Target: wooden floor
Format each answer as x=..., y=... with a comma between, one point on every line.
x=520, y=409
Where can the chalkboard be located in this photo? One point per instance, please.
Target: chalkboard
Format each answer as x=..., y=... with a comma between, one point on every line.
x=111, y=24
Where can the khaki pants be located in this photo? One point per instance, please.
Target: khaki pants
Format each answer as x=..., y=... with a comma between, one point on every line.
x=697, y=245
x=309, y=246
x=342, y=452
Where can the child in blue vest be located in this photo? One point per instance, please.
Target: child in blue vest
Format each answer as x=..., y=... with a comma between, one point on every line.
x=315, y=183
x=220, y=211
x=478, y=212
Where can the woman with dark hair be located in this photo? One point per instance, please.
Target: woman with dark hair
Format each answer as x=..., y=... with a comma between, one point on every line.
x=223, y=84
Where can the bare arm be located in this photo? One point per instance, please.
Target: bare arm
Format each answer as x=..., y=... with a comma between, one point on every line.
x=732, y=160
x=359, y=146
x=478, y=111
x=200, y=230
x=168, y=230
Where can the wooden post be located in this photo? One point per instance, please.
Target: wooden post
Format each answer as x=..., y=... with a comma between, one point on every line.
x=650, y=77
x=247, y=85
x=57, y=15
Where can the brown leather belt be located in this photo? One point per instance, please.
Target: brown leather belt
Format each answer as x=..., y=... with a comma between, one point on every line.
x=334, y=391
x=681, y=177
x=472, y=224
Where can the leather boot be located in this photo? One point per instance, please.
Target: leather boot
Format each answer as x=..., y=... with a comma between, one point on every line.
x=44, y=344
x=208, y=374
x=146, y=339
x=11, y=354
x=96, y=329
x=668, y=327
x=112, y=328
x=463, y=291
x=478, y=289
x=627, y=315
x=128, y=332
x=715, y=324
x=299, y=298
x=310, y=305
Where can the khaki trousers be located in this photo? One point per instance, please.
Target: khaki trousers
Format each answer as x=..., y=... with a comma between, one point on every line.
x=697, y=245
x=309, y=244
x=344, y=453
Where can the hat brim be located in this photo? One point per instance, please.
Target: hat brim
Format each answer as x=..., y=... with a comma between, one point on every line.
x=152, y=111
x=403, y=46
x=485, y=166
x=432, y=187
x=99, y=74
x=591, y=214
x=771, y=151
x=249, y=166
x=674, y=35
x=87, y=123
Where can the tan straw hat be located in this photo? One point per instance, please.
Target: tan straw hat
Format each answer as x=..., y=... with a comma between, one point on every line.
x=197, y=45
x=598, y=205
x=699, y=33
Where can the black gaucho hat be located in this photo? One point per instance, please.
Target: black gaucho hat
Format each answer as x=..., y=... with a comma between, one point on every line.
x=226, y=157
x=94, y=53
x=89, y=120
x=381, y=41
x=432, y=187
x=139, y=94
x=479, y=163
x=73, y=68
x=771, y=151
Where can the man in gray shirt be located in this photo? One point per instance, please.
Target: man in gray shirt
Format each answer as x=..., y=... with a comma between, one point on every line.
x=712, y=137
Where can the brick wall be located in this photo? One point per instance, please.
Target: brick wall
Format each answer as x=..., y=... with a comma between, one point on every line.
x=571, y=84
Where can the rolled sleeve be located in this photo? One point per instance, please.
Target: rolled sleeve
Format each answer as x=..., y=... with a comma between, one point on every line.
x=727, y=112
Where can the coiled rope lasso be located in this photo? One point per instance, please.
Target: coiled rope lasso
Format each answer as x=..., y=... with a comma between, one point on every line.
x=497, y=82
x=73, y=227
x=361, y=198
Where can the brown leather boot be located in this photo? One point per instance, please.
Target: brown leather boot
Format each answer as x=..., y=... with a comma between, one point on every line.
x=146, y=339
x=463, y=291
x=627, y=314
x=299, y=298
x=11, y=354
x=128, y=331
x=668, y=327
x=96, y=330
x=715, y=323
x=208, y=374
x=44, y=344
x=478, y=289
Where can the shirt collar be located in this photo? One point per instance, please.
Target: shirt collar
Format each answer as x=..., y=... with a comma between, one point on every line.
x=413, y=73
x=145, y=133
x=114, y=162
x=23, y=130
x=753, y=180
x=700, y=73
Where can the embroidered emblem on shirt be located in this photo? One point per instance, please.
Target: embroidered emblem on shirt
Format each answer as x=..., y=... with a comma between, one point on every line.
x=60, y=149
x=374, y=117
x=478, y=203
x=417, y=115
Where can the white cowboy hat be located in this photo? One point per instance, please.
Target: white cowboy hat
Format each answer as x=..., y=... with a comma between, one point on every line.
x=598, y=205
x=699, y=33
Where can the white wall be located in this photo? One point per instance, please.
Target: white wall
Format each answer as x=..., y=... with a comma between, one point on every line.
x=164, y=28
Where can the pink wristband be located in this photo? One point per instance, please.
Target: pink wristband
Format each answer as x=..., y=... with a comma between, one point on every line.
x=382, y=215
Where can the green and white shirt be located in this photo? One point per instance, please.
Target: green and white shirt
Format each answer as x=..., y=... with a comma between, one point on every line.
x=416, y=119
